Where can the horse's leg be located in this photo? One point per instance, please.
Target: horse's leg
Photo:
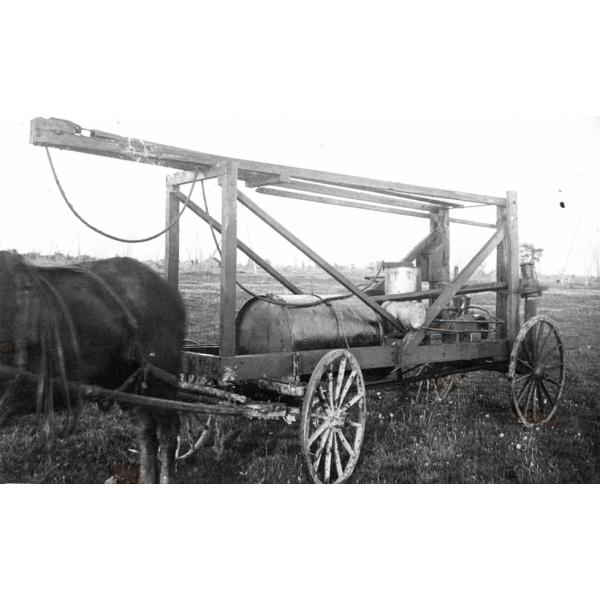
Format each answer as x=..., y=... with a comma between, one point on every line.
x=148, y=445
x=168, y=428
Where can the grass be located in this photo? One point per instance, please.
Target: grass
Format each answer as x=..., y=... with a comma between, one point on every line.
x=469, y=437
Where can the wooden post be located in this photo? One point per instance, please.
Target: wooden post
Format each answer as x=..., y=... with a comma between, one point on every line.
x=507, y=270
x=512, y=237
x=172, y=239
x=228, y=183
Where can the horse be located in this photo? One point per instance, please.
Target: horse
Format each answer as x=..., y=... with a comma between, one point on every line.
x=109, y=323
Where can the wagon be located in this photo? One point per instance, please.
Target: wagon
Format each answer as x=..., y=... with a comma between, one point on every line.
x=309, y=359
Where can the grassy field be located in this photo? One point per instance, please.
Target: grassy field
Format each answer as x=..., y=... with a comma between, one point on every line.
x=469, y=437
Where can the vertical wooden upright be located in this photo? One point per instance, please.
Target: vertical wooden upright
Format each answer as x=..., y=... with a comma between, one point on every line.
x=439, y=260
x=172, y=239
x=507, y=269
x=228, y=182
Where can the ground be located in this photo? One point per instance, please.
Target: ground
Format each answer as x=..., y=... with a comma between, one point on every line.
x=469, y=437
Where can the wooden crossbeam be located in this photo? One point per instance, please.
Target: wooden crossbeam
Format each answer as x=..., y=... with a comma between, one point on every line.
x=58, y=133
x=261, y=262
x=414, y=338
x=337, y=202
x=329, y=269
x=351, y=194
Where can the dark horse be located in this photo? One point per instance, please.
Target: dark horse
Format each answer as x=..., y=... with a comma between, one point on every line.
x=97, y=323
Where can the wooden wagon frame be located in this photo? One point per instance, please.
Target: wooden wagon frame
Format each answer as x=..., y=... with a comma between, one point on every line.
x=286, y=373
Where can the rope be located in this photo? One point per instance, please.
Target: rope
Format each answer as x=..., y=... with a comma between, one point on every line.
x=108, y=235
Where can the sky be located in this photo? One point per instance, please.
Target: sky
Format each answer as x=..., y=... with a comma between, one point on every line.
x=475, y=109
x=546, y=160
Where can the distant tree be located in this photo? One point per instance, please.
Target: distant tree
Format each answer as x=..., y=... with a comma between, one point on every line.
x=529, y=253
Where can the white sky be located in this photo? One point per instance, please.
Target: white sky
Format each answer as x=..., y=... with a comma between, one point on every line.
x=336, y=99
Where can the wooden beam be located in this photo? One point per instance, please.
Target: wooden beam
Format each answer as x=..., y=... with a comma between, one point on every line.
x=493, y=350
x=464, y=291
x=208, y=172
x=172, y=239
x=329, y=269
x=253, y=180
x=513, y=259
x=228, y=184
x=414, y=338
x=336, y=202
x=263, y=264
x=350, y=204
x=328, y=190
x=59, y=133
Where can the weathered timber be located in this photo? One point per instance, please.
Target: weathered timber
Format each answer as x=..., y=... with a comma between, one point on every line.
x=494, y=350
x=228, y=260
x=464, y=291
x=208, y=172
x=337, y=202
x=512, y=237
x=352, y=194
x=329, y=269
x=172, y=240
x=414, y=338
x=59, y=133
x=279, y=365
x=263, y=264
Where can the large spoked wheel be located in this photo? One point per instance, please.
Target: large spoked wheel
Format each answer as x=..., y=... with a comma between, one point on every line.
x=537, y=371
x=333, y=419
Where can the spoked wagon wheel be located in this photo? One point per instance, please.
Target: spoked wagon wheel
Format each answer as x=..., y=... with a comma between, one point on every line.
x=440, y=387
x=537, y=371
x=334, y=413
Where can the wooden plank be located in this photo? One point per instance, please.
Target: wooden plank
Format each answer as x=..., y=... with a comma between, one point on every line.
x=513, y=260
x=464, y=291
x=414, y=338
x=496, y=350
x=329, y=269
x=253, y=180
x=502, y=275
x=336, y=202
x=263, y=264
x=209, y=172
x=352, y=194
x=228, y=260
x=59, y=133
x=279, y=365
x=172, y=240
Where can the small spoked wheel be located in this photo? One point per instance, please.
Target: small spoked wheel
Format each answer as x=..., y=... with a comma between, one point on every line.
x=334, y=414
x=537, y=371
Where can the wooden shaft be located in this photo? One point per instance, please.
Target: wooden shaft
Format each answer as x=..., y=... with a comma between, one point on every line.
x=336, y=202
x=414, y=338
x=228, y=261
x=329, y=269
x=245, y=249
x=512, y=238
x=372, y=207
x=58, y=133
x=465, y=290
x=353, y=194
x=172, y=240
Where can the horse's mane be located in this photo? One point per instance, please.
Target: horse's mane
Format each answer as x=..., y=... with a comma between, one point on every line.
x=39, y=307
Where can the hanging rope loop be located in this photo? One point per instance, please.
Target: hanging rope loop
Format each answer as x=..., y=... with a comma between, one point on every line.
x=108, y=235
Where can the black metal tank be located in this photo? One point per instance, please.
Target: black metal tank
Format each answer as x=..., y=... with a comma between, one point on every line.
x=290, y=323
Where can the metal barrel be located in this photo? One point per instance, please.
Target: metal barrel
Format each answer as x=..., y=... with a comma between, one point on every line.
x=289, y=323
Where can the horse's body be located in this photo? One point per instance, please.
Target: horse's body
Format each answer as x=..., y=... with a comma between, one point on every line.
x=96, y=323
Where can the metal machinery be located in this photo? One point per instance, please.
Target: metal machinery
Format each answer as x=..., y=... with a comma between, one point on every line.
x=273, y=362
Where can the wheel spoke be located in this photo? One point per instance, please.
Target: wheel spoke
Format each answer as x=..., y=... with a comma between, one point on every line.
x=531, y=386
x=525, y=363
x=347, y=386
x=319, y=451
x=549, y=352
x=551, y=380
x=318, y=433
x=321, y=394
x=340, y=379
x=346, y=444
x=328, y=457
x=515, y=381
x=520, y=392
x=352, y=402
x=338, y=460
x=535, y=401
x=547, y=394
x=330, y=387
